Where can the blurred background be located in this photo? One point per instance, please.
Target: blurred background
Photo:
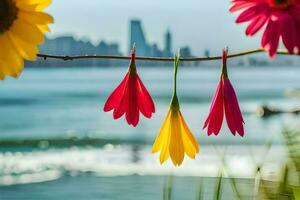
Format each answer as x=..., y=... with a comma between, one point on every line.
x=57, y=143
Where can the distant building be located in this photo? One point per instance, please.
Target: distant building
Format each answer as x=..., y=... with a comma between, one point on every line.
x=65, y=45
x=137, y=36
x=107, y=49
x=185, y=52
x=68, y=45
x=168, y=44
x=206, y=53
x=155, y=51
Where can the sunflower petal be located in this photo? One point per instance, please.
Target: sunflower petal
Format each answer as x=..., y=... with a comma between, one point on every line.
x=36, y=17
x=25, y=49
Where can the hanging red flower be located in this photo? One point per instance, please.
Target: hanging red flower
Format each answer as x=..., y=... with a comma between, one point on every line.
x=130, y=97
x=224, y=101
x=281, y=17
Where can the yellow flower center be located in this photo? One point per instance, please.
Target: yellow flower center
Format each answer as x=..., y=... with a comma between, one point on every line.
x=281, y=4
x=8, y=14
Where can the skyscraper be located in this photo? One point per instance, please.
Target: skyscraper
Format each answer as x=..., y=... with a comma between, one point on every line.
x=168, y=44
x=137, y=36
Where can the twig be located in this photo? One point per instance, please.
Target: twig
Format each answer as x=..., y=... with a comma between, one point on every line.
x=164, y=59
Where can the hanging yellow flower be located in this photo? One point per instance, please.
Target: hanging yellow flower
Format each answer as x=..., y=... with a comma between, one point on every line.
x=175, y=139
x=22, y=28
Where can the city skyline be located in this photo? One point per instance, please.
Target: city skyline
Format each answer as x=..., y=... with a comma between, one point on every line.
x=69, y=45
x=199, y=25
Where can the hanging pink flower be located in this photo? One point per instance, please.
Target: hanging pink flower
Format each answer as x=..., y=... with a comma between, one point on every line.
x=224, y=101
x=281, y=17
x=130, y=97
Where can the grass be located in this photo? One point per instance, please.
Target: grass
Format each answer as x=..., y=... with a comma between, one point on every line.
x=286, y=187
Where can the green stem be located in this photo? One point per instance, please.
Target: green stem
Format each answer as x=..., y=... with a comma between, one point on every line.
x=175, y=102
x=224, y=73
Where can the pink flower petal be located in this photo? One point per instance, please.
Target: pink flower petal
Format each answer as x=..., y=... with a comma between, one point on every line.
x=288, y=32
x=281, y=22
x=232, y=110
x=240, y=5
x=252, y=12
x=215, y=118
x=295, y=12
x=270, y=39
x=256, y=25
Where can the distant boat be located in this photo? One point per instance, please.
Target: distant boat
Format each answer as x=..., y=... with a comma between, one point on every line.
x=293, y=92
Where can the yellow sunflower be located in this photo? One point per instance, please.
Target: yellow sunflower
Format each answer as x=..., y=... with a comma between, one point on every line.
x=22, y=27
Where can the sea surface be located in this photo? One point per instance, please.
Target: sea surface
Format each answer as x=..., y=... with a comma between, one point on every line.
x=57, y=143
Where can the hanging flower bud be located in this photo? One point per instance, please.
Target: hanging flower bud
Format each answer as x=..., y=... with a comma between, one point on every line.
x=175, y=139
x=224, y=101
x=130, y=97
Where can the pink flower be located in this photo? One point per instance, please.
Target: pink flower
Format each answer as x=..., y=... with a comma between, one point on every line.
x=130, y=97
x=224, y=101
x=281, y=17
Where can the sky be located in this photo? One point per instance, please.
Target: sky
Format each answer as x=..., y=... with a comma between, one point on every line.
x=196, y=23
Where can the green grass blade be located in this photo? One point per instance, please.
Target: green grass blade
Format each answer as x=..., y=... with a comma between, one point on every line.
x=200, y=190
x=218, y=188
x=167, y=190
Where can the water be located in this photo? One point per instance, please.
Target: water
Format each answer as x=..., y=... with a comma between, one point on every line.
x=46, y=106
x=121, y=187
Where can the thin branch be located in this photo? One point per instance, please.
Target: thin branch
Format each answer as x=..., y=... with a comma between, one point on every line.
x=165, y=59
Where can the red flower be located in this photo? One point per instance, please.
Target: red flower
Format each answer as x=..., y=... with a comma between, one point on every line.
x=130, y=97
x=281, y=17
x=224, y=101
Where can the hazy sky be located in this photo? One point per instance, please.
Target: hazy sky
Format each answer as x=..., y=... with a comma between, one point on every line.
x=197, y=23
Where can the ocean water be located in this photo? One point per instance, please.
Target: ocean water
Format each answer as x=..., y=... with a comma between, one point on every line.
x=57, y=143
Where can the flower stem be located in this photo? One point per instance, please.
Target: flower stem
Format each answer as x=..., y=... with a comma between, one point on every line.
x=175, y=102
x=132, y=66
x=224, y=73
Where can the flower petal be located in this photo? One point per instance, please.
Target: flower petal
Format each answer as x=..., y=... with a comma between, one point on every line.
x=176, y=148
x=145, y=101
x=288, y=32
x=191, y=147
x=163, y=140
x=25, y=49
x=130, y=97
x=163, y=135
x=27, y=32
x=270, y=38
x=240, y=5
x=11, y=62
x=232, y=110
x=36, y=17
x=252, y=12
x=215, y=117
x=33, y=5
x=256, y=25
x=114, y=99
